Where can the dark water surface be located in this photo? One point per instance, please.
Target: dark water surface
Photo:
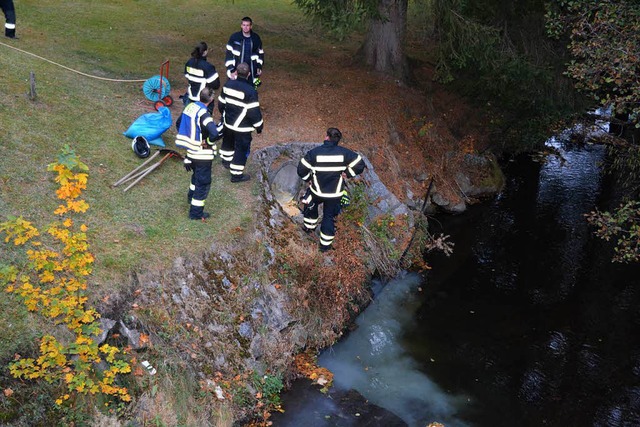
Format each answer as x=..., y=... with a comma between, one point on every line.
x=528, y=323
x=529, y=316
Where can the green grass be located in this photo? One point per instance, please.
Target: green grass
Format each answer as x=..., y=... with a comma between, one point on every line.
x=148, y=225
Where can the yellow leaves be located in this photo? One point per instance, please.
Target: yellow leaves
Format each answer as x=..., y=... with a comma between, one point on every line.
x=53, y=285
x=19, y=230
x=46, y=277
x=78, y=206
x=110, y=352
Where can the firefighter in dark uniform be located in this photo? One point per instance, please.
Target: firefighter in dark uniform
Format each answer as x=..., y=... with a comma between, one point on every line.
x=10, y=18
x=198, y=133
x=245, y=46
x=325, y=168
x=240, y=109
x=200, y=73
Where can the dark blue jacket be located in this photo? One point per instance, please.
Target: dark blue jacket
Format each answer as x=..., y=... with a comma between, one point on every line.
x=324, y=165
x=239, y=106
x=235, y=53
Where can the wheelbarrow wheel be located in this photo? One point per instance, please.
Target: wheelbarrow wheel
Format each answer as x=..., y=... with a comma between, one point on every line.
x=168, y=100
x=159, y=104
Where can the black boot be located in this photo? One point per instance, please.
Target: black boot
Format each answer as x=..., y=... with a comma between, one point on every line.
x=240, y=178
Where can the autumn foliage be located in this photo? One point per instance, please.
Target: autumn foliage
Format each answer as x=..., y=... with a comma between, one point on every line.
x=53, y=284
x=604, y=42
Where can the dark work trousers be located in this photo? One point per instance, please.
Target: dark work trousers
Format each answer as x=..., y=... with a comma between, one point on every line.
x=242, y=145
x=228, y=146
x=199, y=188
x=330, y=210
x=10, y=18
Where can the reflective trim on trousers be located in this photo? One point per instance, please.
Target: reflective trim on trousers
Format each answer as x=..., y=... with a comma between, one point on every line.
x=326, y=240
x=227, y=156
x=311, y=223
x=236, y=169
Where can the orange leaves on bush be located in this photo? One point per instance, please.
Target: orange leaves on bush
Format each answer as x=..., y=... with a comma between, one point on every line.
x=53, y=284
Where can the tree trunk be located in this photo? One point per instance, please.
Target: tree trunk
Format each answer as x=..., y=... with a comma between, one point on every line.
x=383, y=46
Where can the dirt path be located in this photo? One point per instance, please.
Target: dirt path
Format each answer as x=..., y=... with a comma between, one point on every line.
x=408, y=133
x=404, y=131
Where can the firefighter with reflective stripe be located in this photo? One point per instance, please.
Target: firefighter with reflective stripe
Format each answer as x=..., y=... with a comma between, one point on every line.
x=200, y=73
x=198, y=134
x=240, y=109
x=245, y=46
x=10, y=18
x=325, y=168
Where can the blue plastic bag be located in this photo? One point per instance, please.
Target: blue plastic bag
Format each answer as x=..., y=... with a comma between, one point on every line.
x=151, y=126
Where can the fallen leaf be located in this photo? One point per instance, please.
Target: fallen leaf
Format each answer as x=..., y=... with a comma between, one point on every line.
x=7, y=392
x=144, y=338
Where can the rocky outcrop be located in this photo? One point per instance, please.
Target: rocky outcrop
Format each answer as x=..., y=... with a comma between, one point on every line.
x=476, y=176
x=282, y=184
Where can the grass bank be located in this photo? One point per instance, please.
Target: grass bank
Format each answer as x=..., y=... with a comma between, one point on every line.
x=119, y=40
x=147, y=227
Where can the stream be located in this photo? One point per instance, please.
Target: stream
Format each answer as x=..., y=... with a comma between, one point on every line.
x=528, y=323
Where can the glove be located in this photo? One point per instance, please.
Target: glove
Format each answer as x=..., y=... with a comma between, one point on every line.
x=220, y=130
x=345, y=200
x=188, y=165
x=213, y=146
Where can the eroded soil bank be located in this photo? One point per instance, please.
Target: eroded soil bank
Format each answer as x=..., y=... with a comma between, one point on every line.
x=233, y=319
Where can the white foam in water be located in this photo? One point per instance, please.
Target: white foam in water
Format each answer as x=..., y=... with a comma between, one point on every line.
x=372, y=361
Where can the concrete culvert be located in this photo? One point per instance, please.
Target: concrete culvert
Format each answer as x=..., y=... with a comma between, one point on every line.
x=286, y=186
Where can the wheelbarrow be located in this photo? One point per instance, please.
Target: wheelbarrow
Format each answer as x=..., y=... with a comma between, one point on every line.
x=146, y=168
x=157, y=88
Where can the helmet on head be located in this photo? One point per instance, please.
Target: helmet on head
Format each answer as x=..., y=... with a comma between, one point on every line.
x=141, y=147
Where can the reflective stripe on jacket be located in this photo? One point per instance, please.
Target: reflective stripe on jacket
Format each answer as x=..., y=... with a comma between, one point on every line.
x=324, y=166
x=234, y=53
x=200, y=73
x=196, y=125
x=238, y=103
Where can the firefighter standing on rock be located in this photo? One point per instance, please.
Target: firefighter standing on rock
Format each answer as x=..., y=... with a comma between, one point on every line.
x=325, y=168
